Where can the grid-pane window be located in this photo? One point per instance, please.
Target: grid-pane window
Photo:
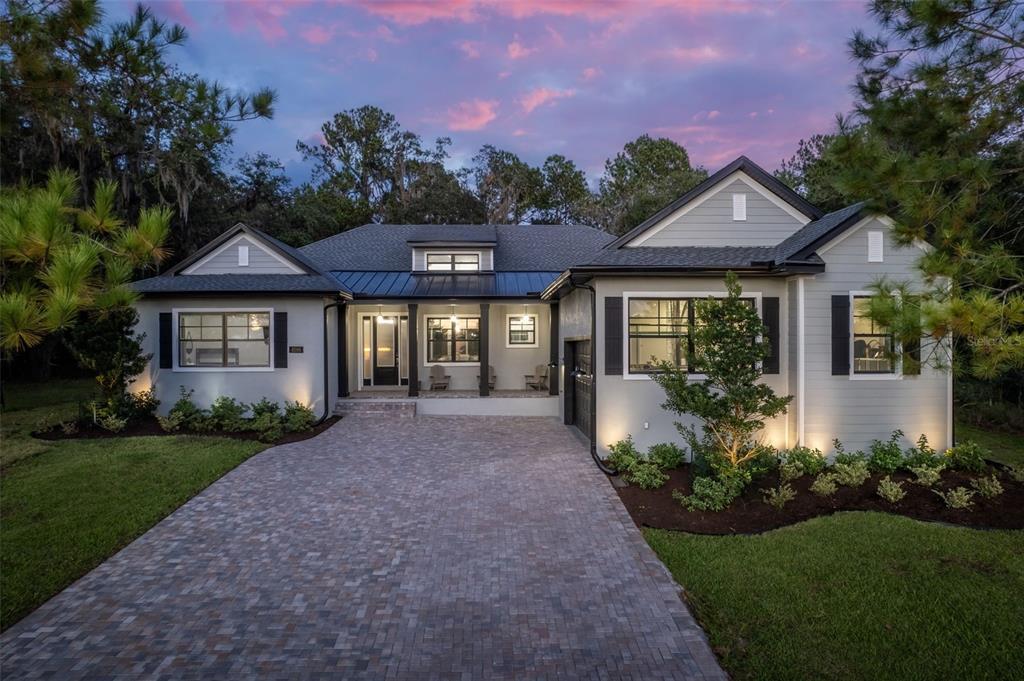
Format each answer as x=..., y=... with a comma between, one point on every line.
x=224, y=339
x=522, y=330
x=873, y=345
x=453, y=262
x=451, y=340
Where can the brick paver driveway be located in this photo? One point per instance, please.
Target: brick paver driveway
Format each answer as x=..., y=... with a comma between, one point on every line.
x=386, y=548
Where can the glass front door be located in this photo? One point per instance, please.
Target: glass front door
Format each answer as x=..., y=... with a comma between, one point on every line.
x=385, y=351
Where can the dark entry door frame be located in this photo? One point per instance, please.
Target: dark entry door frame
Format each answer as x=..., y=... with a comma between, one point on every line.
x=386, y=342
x=579, y=377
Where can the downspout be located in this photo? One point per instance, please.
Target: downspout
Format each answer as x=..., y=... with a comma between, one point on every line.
x=327, y=359
x=593, y=379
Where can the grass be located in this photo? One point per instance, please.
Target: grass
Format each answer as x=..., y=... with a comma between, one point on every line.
x=69, y=505
x=857, y=596
x=1006, y=447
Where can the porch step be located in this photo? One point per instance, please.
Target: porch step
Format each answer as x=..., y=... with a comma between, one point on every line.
x=375, y=407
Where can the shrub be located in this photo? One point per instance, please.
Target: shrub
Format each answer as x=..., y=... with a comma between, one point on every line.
x=777, y=497
x=989, y=487
x=844, y=457
x=646, y=475
x=886, y=456
x=961, y=497
x=1016, y=472
x=189, y=415
x=69, y=428
x=264, y=406
x=113, y=423
x=666, y=455
x=708, y=495
x=927, y=475
x=891, y=490
x=623, y=454
x=922, y=455
x=298, y=417
x=824, y=485
x=811, y=461
x=226, y=413
x=853, y=474
x=268, y=426
x=135, y=406
x=968, y=456
x=170, y=423
x=790, y=470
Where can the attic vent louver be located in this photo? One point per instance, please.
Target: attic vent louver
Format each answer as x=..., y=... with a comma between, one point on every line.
x=875, y=247
x=739, y=206
x=243, y=256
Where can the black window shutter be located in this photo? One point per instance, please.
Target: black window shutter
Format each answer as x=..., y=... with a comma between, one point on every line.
x=613, y=336
x=770, y=319
x=166, y=342
x=841, y=335
x=912, y=351
x=280, y=340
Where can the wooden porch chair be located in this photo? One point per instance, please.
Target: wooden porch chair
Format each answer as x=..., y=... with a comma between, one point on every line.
x=491, y=377
x=539, y=379
x=438, y=378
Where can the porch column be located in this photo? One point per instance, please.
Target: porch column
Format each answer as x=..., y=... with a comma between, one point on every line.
x=485, y=355
x=342, y=313
x=414, y=353
x=553, y=363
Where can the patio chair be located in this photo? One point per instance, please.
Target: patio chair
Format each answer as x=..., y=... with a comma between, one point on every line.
x=491, y=377
x=539, y=379
x=438, y=378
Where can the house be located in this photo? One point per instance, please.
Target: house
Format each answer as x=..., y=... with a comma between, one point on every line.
x=557, y=320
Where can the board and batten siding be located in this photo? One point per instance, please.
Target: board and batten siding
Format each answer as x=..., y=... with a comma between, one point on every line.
x=858, y=411
x=711, y=223
x=225, y=261
x=631, y=405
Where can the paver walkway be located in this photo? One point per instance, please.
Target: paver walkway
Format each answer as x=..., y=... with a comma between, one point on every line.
x=385, y=548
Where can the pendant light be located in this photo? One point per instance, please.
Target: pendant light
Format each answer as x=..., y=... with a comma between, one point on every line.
x=454, y=319
x=381, y=319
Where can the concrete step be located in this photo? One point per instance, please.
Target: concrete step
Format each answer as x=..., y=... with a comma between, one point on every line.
x=374, y=407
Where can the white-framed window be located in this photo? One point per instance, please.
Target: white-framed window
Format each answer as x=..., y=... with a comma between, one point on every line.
x=873, y=348
x=453, y=262
x=521, y=331
x=453, y=341
x=223, y=339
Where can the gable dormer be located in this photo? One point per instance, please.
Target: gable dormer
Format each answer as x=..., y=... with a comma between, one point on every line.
x=453, y=249
x=740, y=205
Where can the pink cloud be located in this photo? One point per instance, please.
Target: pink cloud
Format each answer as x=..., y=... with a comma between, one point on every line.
x=266, y=18
x=316, y=35
x=472, y=115
x=590, y=73
x=516, y=50
x=469, y=48
x=556, y=37
x=541, y=96
x=699, y=55
x=175, y=11
x=413, y=12
x=370, y=54
x=706, y=115
x=712, y=115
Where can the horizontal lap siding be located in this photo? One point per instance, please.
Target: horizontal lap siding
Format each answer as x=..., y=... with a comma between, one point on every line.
x=858, y=411
x=711, y=223
x=260, y=261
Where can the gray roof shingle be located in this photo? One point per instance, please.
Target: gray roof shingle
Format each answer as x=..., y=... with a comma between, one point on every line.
x=238, y=283
x=518, y=248
x=479, y=234
x=811, y=233
x=682, y=256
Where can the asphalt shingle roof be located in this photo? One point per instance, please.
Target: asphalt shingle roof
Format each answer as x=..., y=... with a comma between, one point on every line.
x=683, y=256
x=238, y=283
x=810, y=233
x=518, y=248
x=484, y=234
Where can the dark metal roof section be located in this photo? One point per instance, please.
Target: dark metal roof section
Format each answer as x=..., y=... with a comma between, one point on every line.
x=476, y=235
x=239, y=283
x=517, y=248
x=408, y=285
x=744, y=164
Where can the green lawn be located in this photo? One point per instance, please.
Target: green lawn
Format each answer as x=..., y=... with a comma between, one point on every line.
x=857, y=596
x=1006, y=447
x=66, y=506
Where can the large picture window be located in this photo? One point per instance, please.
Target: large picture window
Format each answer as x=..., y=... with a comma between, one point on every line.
x=522, y=331
x=224, y=339
x=453, y=262
x=873, y=346
x=661, y=330
x=451, y=340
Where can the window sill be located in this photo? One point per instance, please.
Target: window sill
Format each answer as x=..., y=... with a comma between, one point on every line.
x=473, y=363
x=524, y=346
x=876, y=377
x=648, y=376
x=206, y=370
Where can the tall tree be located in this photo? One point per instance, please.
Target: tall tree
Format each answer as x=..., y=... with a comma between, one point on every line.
x=642, y=178
x=812, y=173
x=565, y=196
x=509, y=188
x=936, y=142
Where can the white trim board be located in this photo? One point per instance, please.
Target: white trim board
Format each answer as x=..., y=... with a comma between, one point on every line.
x=721, y=186
x=264, y=246
x=177, y=368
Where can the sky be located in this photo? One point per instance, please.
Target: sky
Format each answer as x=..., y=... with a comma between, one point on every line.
x=535, y=77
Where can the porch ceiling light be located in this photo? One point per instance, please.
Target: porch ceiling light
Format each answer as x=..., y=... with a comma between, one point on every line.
x=381, y=319
x=525, y=319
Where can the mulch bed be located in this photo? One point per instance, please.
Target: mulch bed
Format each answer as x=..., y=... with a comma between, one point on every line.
x=151, y=426
x=750, y=514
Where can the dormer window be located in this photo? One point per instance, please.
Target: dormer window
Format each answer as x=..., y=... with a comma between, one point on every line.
x=453, y=262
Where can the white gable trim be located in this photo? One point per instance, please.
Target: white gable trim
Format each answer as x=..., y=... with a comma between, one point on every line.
x=722, y=184
x=272, y=252
x=882, y=220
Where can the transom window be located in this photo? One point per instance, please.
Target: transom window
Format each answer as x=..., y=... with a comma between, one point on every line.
x=224, y=339
x=522, y=330
x=661, y=330
x=451, y=340
x=453, y=262
x=873, y=345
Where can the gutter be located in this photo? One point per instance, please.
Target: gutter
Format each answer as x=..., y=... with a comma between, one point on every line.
x=327, y=381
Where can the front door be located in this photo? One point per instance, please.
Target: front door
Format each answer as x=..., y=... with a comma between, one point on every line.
x=385, y=350
x=579, y=385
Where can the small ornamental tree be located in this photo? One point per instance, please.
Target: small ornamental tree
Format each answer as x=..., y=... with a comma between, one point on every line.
x=730, y=402
x=107, y=345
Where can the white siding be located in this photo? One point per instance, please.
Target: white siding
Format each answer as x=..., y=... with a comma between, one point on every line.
x=225, y=260
x=858, y=411
x=711, y=223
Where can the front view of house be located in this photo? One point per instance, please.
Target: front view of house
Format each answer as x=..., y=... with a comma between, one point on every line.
x=551, y=320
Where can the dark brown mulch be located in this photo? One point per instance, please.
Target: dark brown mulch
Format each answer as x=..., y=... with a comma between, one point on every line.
x=750, y=514
x=151, y=426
